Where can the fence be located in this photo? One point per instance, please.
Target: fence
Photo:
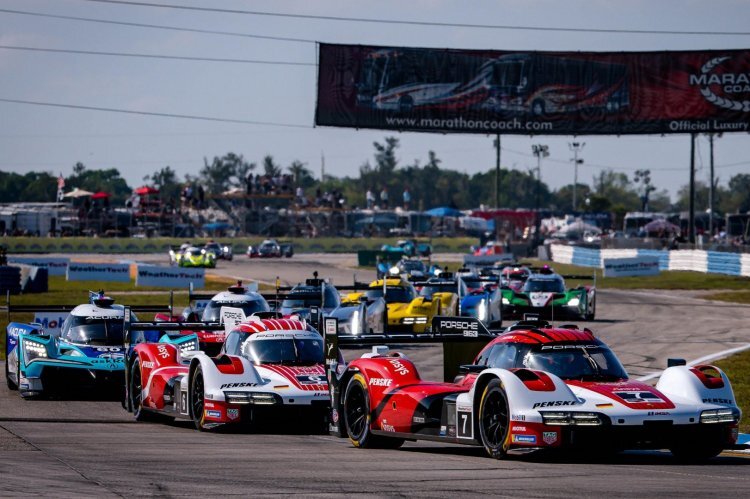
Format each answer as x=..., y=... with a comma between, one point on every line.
x=714, y=262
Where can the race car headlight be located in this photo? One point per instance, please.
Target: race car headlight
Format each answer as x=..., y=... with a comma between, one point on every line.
x=414, y=320
x=256, y=398
x=203, y=252
x=34, y=350
x=482, y=310
x=226, y=249
x=574, y=302
x=719, y=416
x=188, y=346
x=506, y=301
x=571, y=418
x=393, y=271
x=355, y=322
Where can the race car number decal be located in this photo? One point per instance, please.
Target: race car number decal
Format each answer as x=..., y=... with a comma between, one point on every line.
x=312, y=379
x=464, y=427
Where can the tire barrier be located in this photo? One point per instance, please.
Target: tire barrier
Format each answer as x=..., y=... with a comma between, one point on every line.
x=713, y=262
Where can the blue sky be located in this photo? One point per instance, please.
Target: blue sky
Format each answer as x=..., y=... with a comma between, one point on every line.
x=53, y=139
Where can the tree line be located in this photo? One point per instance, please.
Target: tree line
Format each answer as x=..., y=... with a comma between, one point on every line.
x=430, y=185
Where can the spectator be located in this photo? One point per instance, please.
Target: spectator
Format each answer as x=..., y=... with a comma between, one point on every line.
x=370, y=198
x=384, y=198
x=249, y=183
x=407, y=198
x=201, y=197
x=300, y=196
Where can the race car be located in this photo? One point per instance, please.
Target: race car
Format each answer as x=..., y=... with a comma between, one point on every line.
x=544, y=294
x=192, y=256
x=237, y=296
x=483, y=299
x=314, y=293
x=514, y=277
x=407, y=248
x=538, y=387
x=268, y=370
x=85, y=355
x=222, y=251
x=270, y=248
x=409, y=269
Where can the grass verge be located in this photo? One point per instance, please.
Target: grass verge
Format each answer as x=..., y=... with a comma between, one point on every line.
x=737, y=367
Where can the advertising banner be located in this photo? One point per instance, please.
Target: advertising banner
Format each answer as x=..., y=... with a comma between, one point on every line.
x=51, y=321
x=533, y=93
x=624, y=267
x=109, y=272
x=54, y=266
x=169, y=277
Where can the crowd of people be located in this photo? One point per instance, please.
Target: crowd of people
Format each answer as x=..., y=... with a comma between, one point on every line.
x=269, y=184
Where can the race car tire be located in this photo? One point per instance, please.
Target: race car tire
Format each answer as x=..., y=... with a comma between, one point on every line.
x=197, y=397
x=695, y=452
x=11, y=385
x=494, y=419
x=136, y=393
x=357, y=418
x=592, y=315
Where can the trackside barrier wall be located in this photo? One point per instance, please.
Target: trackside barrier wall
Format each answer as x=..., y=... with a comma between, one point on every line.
x=713, y=262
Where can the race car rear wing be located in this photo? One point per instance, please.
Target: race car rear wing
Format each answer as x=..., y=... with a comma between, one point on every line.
x=462, y=339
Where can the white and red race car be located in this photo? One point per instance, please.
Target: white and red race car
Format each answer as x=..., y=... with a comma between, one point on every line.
x=536, y=387
x=268, y=370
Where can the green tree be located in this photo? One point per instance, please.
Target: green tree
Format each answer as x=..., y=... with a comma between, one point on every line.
x=105, y=180
x=737, y=199
x=224, y=172
x=301, y=174
x=167, y=181
x=270, y=167
x=385, y=156
x=32, y=186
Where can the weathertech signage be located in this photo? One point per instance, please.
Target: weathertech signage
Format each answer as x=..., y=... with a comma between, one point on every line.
x=477, y=91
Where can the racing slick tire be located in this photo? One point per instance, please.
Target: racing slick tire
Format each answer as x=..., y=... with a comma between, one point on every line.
x=136, y=393
x=494, y=420
x=590, y=316
x=11, y=385
x=696, y=451
x=357, y=418
x=197, y=398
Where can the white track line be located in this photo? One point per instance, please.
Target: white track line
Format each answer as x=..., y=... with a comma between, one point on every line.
x=700, y=360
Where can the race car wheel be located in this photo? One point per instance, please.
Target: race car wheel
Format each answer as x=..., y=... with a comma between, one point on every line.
x=591, y=315
x=197, y=390
x=697, y=451
x=357, y=417
x=136, y=395
x=11, y=384
x=493, y=420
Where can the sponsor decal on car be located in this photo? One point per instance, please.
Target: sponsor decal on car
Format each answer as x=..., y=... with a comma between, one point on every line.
x=317, y=379
x=518, y=428
x=638, y=397
x=213, y=414
x=517, y=417
x=549, y=437
x=236, y=385
x=233, y=414
x=554, y=403
x=399, y=367
x=716, y=401
x=335, y=416
x=524, y=439
x=418, y=419
x=380, y=382
x=386, y=427
x=658, y=413
x=147, y=365
x=163, y=352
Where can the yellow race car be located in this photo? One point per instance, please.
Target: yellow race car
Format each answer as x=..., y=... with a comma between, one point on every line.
x=408, y=311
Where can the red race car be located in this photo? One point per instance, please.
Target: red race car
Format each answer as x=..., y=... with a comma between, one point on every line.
x=536, y=387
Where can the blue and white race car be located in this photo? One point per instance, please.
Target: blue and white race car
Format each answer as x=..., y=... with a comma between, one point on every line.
x=87, y=352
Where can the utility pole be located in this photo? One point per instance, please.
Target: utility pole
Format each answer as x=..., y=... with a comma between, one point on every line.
x=576, y=147
x=322, y=167
x=711, y=188
x=540, y=151
x=497, y=172
x=691, y=213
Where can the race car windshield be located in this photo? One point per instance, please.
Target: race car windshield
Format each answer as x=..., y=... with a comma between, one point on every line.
x=410, y=266
x=302, y=301
x=475, y=282
x=395, y=294
x=212, y=313
x=288, y=352
x=577, y=362
x=428, y=291
x=194, y=252
x=93, y=331
x=544, y=286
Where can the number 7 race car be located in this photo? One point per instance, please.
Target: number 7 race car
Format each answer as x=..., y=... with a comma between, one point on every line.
x=535, y=387
x=268, y=370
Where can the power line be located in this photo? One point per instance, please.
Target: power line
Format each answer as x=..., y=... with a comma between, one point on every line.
x=418, y=23
x=157, y=26
x=155, y=56
x=147, y=113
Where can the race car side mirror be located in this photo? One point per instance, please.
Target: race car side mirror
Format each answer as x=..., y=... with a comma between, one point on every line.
x=471, y=368
x=676, y=362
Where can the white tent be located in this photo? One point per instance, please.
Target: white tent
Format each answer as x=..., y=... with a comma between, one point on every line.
x=77, y=193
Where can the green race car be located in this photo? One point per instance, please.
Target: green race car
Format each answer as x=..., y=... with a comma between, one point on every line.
x=544, y=294
x=193, y=256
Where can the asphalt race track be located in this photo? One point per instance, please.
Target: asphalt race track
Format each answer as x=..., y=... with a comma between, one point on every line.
x=94, y=448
